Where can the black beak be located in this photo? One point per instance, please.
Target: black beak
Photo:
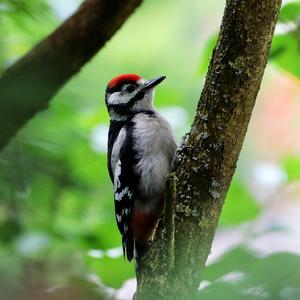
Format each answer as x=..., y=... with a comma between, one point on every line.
x=153, y=82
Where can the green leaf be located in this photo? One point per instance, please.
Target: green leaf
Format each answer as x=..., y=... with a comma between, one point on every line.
x=285, y=53
x=291, y=165
x=290, y=12
x=239, y=205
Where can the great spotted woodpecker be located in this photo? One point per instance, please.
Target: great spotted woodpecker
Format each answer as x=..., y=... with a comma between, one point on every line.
x=141, y=147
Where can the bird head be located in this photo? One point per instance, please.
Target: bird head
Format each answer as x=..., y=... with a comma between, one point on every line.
x=129, y=94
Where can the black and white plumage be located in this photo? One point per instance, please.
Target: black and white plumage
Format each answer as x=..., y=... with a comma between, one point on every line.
x=141, y=147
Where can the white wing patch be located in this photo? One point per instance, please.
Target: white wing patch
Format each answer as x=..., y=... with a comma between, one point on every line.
x=117, y=174
x=117, y=184
x=115, y=154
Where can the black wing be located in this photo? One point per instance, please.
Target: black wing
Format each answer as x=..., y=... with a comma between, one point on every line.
x=125, y=182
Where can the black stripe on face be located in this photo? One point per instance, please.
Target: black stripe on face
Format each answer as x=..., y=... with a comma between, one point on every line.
x=124, y=108
x=139, y=96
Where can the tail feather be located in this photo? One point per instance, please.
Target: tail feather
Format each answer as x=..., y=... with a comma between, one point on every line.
x=128, y=246
x=136, y=240
x=140, y=248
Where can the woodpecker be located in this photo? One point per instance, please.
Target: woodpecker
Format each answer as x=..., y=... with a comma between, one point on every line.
x=141, y=147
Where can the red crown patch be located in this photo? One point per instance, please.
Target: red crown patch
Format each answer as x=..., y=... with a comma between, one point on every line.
x=122, y=78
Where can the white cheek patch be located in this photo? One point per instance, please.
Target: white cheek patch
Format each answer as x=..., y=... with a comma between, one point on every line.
x=118, y=98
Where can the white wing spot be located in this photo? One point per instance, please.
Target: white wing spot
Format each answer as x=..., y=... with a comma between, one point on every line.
x=125, y=227
x=130, y=195
x=119, y=196
x=119, y=218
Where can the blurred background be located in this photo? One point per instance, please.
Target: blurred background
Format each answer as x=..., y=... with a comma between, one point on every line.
x=58, y=237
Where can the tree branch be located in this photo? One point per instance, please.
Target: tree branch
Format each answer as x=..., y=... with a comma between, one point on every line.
x=207, y=160
x=27, y=86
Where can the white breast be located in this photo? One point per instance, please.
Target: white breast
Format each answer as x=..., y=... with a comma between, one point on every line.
x=155, y=146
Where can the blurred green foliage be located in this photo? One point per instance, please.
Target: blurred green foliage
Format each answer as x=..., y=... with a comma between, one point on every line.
x=240, y=206
x=290, y=13
x=291, y=164
x=206, y=54
x=57, y=225
x=286, y=45
x=285, y=49
x=242, y=275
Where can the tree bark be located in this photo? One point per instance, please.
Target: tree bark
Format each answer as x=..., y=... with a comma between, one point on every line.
x=28, y=85
x=207, y=159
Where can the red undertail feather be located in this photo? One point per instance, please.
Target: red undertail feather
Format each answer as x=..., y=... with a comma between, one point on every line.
x=143, y=225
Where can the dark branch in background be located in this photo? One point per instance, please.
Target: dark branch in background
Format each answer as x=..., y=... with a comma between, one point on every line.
x=207, y=161
x=27, y=86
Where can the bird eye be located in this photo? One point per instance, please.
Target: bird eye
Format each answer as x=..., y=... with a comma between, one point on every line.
x=130, y=88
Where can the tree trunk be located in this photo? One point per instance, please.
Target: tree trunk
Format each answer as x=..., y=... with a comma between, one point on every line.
x=28, y=85
x=207, y=159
